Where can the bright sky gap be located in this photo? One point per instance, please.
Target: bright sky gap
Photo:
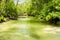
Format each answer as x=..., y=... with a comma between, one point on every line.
x=21, y=1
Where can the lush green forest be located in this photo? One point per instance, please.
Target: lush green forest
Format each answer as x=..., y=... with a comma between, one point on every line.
x=29, y=19
x=43, y=10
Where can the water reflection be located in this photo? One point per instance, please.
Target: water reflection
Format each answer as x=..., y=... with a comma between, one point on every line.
x=24, y=30
x=23, y=27
x=24, y=19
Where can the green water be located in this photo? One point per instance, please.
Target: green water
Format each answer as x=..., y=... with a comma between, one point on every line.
x=24, y=29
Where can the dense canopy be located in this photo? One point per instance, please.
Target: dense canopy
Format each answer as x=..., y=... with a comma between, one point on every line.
x=44, y=10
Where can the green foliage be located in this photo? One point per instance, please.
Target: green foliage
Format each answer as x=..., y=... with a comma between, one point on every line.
x=44, y=10
x=8, y=10
x=11, y=11
x=36, y=7
x=2, y=11
x=50, y=11
x=24, y=7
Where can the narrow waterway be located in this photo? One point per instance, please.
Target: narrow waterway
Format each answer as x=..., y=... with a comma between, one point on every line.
x=26, y=29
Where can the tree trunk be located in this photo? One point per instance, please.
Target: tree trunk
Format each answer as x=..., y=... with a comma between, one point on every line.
x=17, y=2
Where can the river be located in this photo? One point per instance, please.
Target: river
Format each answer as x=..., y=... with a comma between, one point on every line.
x=24, y=29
